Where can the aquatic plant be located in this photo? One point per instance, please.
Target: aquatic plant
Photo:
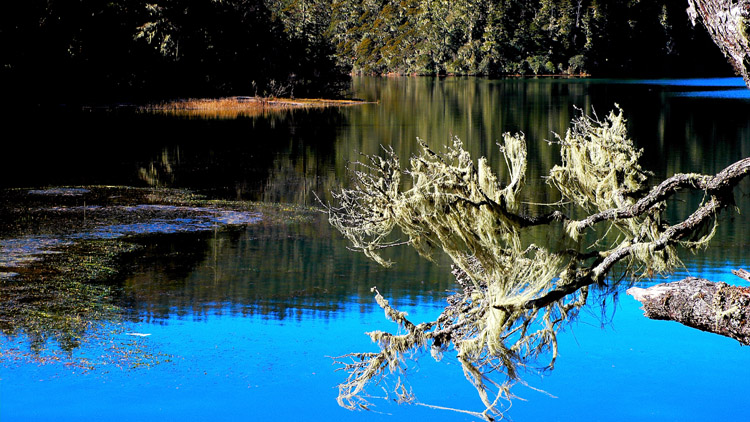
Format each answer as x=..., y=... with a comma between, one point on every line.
x=514, y=295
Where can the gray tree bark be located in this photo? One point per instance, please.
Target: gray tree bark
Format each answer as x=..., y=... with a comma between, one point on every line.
x=728, y=22
x=713, y=307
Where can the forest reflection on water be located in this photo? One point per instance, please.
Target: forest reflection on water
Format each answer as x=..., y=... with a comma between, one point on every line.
x=255, y=313
x=274, y=271
x=284, y=158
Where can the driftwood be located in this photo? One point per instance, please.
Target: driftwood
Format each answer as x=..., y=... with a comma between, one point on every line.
x=728, y=22
x=713, y=307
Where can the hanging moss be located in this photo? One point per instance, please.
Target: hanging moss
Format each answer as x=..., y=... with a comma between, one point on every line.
x=514, y=295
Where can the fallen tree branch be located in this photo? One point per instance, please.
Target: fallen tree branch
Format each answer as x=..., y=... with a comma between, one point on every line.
x=721, y=185
x=743, y=274
x=513, y=295
x=713, y=307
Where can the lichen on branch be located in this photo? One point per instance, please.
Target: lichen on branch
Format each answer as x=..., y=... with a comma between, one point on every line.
x=513, y=295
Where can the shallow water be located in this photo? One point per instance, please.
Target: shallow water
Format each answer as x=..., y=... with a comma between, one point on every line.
x=241, y=325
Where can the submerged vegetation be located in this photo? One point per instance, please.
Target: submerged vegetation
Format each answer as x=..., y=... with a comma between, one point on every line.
x=515, y=295
x=64, y=251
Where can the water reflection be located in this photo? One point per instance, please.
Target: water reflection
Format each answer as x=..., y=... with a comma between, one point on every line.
x=286, y=158
x=279, y=272
x=250, y=316
x=245, y=311
x=64, y=250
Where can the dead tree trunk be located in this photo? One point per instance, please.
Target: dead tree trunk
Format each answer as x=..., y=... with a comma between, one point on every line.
x=728, y=22
x=714, y=307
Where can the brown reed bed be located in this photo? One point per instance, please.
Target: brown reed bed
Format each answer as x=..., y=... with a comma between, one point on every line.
x=230, y=107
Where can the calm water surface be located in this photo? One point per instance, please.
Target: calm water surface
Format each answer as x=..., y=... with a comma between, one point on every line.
x=243, y=323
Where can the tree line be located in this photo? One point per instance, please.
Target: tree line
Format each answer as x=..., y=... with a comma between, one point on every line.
x=81, y=48
x=501, y=37
x=134, y=50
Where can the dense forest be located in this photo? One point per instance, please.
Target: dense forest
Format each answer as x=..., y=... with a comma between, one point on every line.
x=519, y=37
x=84, y=49
x=124, y=49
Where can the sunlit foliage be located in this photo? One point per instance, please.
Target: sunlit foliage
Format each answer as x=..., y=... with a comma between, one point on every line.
x=511, y=37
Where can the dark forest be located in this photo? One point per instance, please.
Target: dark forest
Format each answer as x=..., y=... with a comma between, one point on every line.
x=86, y=50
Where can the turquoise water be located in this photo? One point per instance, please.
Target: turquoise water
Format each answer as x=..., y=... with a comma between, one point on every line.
x=242, y=325
x=689, y=83
x=256, y=359
x=721, y=88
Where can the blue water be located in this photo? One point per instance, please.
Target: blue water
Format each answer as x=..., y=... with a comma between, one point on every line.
x=721, y=88
x=231, y=367
x=738, y=94
x=244, y=360
x=736, y=82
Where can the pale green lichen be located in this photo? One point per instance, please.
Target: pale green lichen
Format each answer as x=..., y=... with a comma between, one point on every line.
x=599, y=163
x=461, y=208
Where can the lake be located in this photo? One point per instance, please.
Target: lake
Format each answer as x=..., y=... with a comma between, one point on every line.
x=241, y=324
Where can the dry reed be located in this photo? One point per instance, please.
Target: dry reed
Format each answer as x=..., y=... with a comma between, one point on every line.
x=230, y=107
